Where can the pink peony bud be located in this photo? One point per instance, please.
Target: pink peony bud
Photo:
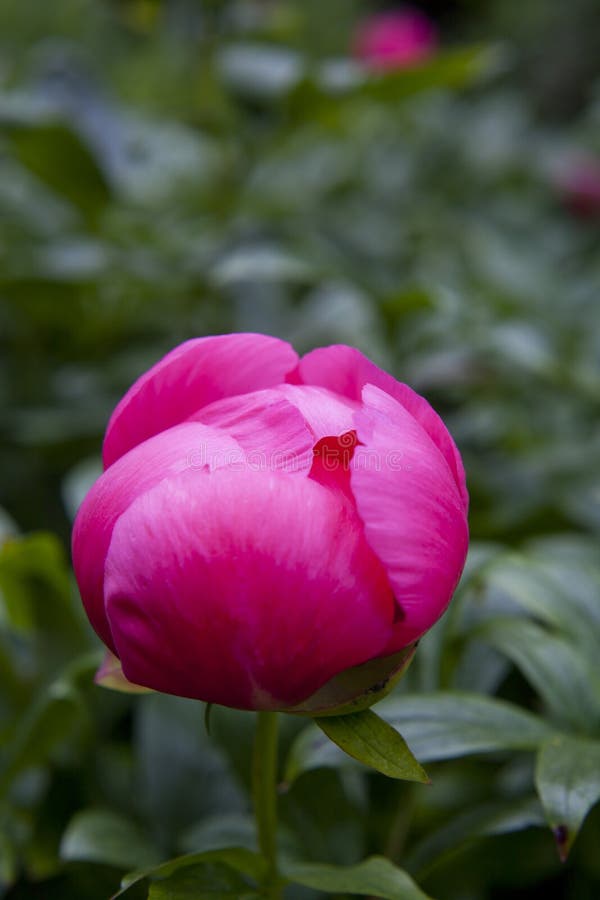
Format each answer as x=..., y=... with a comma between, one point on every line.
x=266, y=523
x=395, y=40
x=579, y=185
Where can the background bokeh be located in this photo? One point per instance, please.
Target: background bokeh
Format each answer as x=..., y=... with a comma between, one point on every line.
x=179, y=168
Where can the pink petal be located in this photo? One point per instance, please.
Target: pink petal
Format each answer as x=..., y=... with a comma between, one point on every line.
x=331, y=462
x=249, y=589
x=191, y=376
x=188, y=446
x=395, y=40
x=345, y=370
x=270, y=430
x=325, y=412
x=412, y=511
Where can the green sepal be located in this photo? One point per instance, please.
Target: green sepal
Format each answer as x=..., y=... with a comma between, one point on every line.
x=357, y=688
x=371, y=741
x=110, y=675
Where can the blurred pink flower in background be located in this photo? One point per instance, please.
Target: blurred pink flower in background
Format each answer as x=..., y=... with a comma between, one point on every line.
x=579, y=185
x=395, y=40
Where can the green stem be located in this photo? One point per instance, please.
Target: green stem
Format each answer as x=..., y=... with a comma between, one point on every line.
x=264, y=795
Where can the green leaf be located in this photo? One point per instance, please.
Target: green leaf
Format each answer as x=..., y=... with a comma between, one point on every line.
x=447, y=70
x=8, y=526
x=78, y=481
x=215, y=865
x=260, y=70
x=261, y=264
x=9, y=865
x=19, y=107
x=34, y=583
x=51, y=721
x=436, y=726
x=211, y=881
x=325, y=815
x=567, y=778
x=555, y=591
x=376, y=877
x=566, y=680
x=173, y=751
x=481, y=821
x=452, y=724
x=58, y=157
x=104, y=836
x=218, y=831
x=450, y=69
x=371, y=741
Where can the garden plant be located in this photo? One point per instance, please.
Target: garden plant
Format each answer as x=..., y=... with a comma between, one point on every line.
x=274, y=275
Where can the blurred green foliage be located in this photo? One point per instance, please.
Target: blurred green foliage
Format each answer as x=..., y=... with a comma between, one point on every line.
x=171, y=169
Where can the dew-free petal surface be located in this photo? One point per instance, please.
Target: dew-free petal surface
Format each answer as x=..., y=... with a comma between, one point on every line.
x=187, y=446
x=412, y=511
x=346, y=370
x=271, y=430
x=249, y=589
x=191, y=376
x=325, y=412
x=331, y=462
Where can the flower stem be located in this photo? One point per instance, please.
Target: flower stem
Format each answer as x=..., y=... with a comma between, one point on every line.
x=264, y=782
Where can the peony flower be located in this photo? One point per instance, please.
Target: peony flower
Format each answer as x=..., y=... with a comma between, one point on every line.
x=579, y=185
x=395, y=40
x=266, y=523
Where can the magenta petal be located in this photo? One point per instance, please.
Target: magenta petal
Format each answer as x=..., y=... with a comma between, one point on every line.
x=396, y=39
x=345, y=370
x=188, y=446
x=270, y=430
x=332, y=456
x=191, y=376
x=325, y=412
x=249, y=589
x=412, y=511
